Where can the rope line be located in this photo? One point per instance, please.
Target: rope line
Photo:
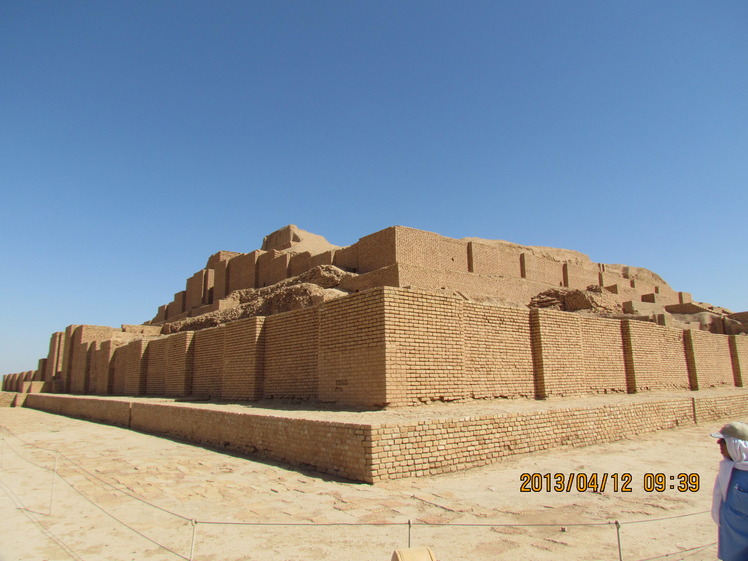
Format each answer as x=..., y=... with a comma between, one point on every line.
x=692, y=550
x=193, y=522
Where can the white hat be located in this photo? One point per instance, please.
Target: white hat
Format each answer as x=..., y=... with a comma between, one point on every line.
x=733, y=430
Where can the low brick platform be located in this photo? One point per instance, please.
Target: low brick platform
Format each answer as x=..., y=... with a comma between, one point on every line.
x=371, y=446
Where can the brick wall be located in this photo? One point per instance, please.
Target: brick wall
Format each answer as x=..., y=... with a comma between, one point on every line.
x=136, y=362
x=351, y=355
x=709, y=358
x=119, y=370
x=208, y=362
x=156, y=366
x=374, y=251
x=540, y=269
x=242, y=271
x=54, y=358
x=424, y=345
x=497, y=352
x=426, y=249
x=243, y=365
x=104, y=410
x=178, y=377
x=439, y=446
x=739, y=355
x=272, y=267
x=580, y=276
x=655, y=355
x=291, y=346
x=485, y=259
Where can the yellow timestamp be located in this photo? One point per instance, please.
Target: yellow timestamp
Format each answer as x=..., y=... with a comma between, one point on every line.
x=660, y=482
x=601, y=482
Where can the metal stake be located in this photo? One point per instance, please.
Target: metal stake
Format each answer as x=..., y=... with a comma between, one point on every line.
x=618, y=533
x=192, y=545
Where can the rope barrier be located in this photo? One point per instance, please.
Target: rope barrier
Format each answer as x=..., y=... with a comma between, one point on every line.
x=194, y=522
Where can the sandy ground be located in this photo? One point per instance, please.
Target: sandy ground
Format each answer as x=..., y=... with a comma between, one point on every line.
x=117, y=492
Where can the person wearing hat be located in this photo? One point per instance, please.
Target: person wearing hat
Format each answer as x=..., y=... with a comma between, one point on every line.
x=730, y=498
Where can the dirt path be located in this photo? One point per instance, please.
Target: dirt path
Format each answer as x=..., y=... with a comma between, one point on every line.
x=170, y=483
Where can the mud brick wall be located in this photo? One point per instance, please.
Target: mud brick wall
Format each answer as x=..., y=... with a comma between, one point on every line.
x=739, y=355
x=194, y=292
x=720, y=407
x=580, y=276
x=67, y=357
x=655, y=356
x=485, y=259
x=119, y=370
x=497, y=351
x=351, y=356
x=109, y=411
x=373, y=252
x=299, y=263
x=346, y=258
x=439, y=446
x=54, y=358
x=575, y=355
x=336, y=448
x=243, y=364
x=291, y=347
x=272, y=267
x=178, y=378
x=82, y=338
x=208, y=362
x=242, y=271
x=136, y=363
x=603, y=355
x=709, y=359
x=156, y=366
x=426, y=249
x=99, y=367
x=543, y=270
x=325, y=258
x=424, y=345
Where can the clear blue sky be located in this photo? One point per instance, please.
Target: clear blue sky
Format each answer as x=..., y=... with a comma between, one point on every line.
x=139, y=137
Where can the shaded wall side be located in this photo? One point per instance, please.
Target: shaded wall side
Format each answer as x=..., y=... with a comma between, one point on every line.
x=178, y=378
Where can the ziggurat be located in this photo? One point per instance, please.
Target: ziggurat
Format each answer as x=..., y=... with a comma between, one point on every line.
x=313, y=354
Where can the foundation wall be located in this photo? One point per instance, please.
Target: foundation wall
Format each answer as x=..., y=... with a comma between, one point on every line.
x=335, y=448
x=374, y=451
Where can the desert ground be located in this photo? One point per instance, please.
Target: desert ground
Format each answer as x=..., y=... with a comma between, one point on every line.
x=122, y=495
